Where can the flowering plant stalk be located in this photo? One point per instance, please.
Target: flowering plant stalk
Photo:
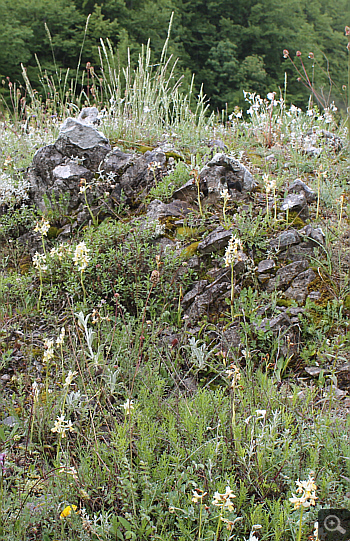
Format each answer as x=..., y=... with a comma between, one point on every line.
x=83, y=189
x=81, y=259
x=231, y=255
x=307, y=491
x=347, y=33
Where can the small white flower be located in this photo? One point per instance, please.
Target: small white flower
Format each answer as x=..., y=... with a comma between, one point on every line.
x=128, y=406
x=62, y=426
x=69, y=379
x=60, y=338
x=39, y=262
x=80, y=258
x=260, y=414
x=146, y=109
x=42, y=227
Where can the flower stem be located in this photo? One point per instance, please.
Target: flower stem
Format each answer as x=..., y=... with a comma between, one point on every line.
x=300, y=523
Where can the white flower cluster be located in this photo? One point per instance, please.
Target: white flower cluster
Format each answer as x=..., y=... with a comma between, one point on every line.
x=81, y=258
x=224, y=500
x=62, y=426
x=307, y=491
x=39, y=262
x=12, y=190
x=42, y=227
x=232, y=251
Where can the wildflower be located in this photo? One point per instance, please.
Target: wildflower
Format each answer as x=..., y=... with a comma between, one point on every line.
x=347, y=30
x=298, y=53
x=261, y=414
x=42, y=227
x=62, y=426
x=232, y=249
x=234, y=374
x=35, y=391
x=69, y=471
x=311, y=55
x=271, y=96
x=80, y=257
x=48, y=354
x=39, y=261
x=146, y=109
x=152, y=166
x=198, y=495
x=224, y=500
x=285, y=53
x=308, y=497
x=68, y=511
x=69, y=378
x=225, y=194
x=155, y=277
x=2, y=462
x=128, y=406
x=60, y=338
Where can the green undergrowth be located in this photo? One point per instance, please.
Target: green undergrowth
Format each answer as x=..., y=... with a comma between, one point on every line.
x=122, y=416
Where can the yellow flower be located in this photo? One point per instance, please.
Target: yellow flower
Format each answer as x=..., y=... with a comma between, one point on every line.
x=68, y=511
x=198, y=495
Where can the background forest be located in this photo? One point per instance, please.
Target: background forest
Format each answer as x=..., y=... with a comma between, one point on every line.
x=230, y=45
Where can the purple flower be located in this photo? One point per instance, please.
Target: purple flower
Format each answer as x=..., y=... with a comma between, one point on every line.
x=2, y=462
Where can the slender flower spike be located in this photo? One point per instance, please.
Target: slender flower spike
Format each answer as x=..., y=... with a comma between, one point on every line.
x=42, y=227
x=81, y=258
x=2, y=462
x=60, y=338
x=69, y=378
x=128, y=406
x=233, y=247
x=68, y=511
x=39, y=261
x=308, y=497
x=198, y=495
x=224, y=500
x=62, y=426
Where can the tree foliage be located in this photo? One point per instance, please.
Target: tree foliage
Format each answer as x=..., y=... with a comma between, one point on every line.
x=229, y=46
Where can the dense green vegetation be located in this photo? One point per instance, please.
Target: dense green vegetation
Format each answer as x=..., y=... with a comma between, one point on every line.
x=230, y=46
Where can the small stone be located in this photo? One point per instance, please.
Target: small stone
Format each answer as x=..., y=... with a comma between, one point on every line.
x=296, y=202
x=298, y=186
x=285, y=239
x=286, y=274
x=215, y=241
x=266, y=265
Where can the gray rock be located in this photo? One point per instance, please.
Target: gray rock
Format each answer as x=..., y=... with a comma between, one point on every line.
x=115, y=163
x=215, y=241
x=187, y=192
x=206, y=301
x=285, y=239
x=296, y=202
x=298, y=186
x=89, y=116
x=156, y=209
x=232, y=170
x=298, y=288
x=266, y=265
x=190, y=296
x=286, y=274
x=231, y=338
x=276, y=323
x=314, y=235
x=83, y=142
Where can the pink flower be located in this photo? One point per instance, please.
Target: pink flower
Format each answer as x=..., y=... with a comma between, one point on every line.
x=285, y=53
x=298, y=53
x=311, y=55
x=347, y=30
